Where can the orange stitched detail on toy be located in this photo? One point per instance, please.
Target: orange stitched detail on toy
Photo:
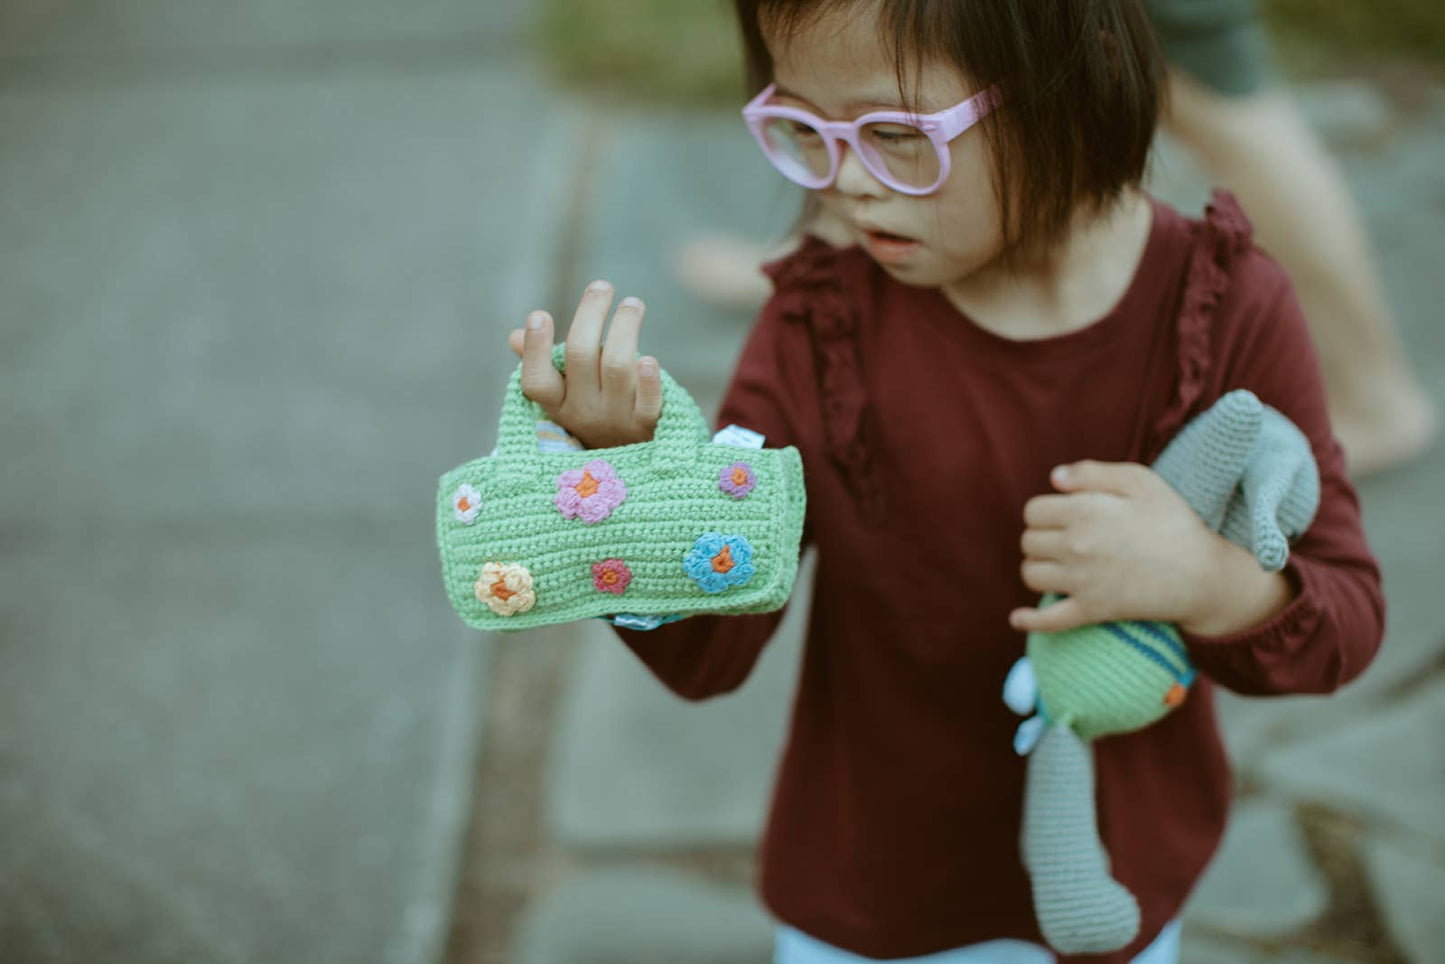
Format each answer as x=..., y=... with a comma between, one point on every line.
x=609, y=577
x=464, y=503
x=1175, y=696
x=723, y=561
x=588, y=486
x=500, y=590
x=740, y=476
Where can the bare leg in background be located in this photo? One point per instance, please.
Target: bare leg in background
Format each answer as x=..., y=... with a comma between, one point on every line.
x=1260, y=147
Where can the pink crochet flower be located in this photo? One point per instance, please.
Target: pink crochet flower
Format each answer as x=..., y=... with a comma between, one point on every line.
x=590, y=493
x=611, y=575
x=737, y=480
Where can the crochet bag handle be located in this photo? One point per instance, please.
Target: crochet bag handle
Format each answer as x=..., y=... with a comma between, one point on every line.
x=680, y=429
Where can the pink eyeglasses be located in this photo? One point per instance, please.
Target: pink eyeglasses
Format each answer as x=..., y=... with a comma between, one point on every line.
x=907, y=152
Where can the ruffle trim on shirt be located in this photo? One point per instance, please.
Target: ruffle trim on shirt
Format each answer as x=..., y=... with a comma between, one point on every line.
x=809, y=291
x=1223, y=235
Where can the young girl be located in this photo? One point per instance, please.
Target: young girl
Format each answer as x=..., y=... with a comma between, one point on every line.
x=975, y=388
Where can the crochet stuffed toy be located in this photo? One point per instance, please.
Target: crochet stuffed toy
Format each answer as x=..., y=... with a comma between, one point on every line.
x=1249, y=473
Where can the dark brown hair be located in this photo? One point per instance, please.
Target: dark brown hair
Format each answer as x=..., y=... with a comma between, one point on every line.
x=1081, y=82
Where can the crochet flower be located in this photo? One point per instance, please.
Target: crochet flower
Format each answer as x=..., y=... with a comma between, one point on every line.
x=590, y=493
x=717, y=562
x=611, y=575
x=466, y=503
x=506, y=588
x=737, y=480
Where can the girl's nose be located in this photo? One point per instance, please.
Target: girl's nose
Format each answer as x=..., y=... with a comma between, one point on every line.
x=853, y=178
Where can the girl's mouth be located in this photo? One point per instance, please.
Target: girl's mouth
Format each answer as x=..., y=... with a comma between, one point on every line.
x=888, y=248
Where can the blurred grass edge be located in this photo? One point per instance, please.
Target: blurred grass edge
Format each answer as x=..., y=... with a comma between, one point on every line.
x=687, y=52
x=667, y=51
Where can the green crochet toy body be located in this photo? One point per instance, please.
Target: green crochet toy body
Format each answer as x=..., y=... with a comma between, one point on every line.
x=677, y=525
x=1250, y=474
x=1111, y=677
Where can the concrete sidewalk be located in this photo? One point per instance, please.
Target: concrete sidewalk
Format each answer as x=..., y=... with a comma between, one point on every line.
x=256, y=259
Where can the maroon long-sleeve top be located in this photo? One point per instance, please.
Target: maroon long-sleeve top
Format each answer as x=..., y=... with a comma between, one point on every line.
x=894, y=823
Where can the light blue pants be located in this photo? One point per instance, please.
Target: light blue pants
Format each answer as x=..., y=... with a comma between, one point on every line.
x=795, y=947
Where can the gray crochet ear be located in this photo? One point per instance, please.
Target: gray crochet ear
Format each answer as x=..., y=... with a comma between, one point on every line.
x=1081, y=909
x=1278, y=495
x=1206, y=460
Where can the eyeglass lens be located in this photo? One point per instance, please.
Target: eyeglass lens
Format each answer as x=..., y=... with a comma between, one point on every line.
x=903, y=151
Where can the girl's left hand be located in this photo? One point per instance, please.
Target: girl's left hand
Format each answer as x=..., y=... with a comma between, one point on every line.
x=1120, y=543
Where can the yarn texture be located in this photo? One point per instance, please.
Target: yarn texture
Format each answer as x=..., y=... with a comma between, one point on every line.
x=1249, y=474
x=677, y=525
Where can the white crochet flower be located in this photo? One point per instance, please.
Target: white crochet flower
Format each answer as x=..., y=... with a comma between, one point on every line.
x=466, y=503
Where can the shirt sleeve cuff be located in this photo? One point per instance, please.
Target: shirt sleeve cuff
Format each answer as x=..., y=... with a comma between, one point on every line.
x=1296, y=621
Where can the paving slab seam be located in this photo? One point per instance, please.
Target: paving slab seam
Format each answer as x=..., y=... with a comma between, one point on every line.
x=1353, y=917
x=512, y=763
x=1285, y=732
x=425, y=922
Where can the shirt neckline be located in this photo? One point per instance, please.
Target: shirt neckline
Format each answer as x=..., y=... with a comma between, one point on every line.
x=1143, y=284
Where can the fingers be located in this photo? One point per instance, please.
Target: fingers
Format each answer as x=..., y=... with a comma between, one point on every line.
x=584, y=338
x=516, y=340
x=1048, y=512
x=1114, y=478
x=649, y=391
x=1062, y=615
x=541, y=382
x=619, y=354
x=1044, y=575
x=1044, y=543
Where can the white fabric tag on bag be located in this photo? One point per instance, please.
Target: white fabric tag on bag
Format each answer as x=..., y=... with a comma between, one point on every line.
x=743, y=438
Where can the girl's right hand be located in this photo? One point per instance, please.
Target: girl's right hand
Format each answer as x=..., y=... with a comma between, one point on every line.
x=608, y=396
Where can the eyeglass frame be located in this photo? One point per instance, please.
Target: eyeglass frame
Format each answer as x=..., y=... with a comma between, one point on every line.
x=940, y=128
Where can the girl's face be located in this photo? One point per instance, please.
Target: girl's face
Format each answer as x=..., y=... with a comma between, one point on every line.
x=836, y=67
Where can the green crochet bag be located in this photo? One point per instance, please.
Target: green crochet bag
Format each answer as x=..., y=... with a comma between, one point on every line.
x=678, y=525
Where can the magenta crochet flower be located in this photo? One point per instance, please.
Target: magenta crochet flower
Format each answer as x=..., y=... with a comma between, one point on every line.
x=611, y=575
x=590, y=493
x=737, y=480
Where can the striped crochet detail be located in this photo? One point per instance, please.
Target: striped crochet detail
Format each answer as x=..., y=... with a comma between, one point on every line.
x=1131, y=635
x=1110, y=677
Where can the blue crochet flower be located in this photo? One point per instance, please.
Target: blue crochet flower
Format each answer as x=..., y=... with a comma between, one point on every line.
x=718, y=562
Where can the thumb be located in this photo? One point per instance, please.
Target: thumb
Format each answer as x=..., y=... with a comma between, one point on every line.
x=1116, y=478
